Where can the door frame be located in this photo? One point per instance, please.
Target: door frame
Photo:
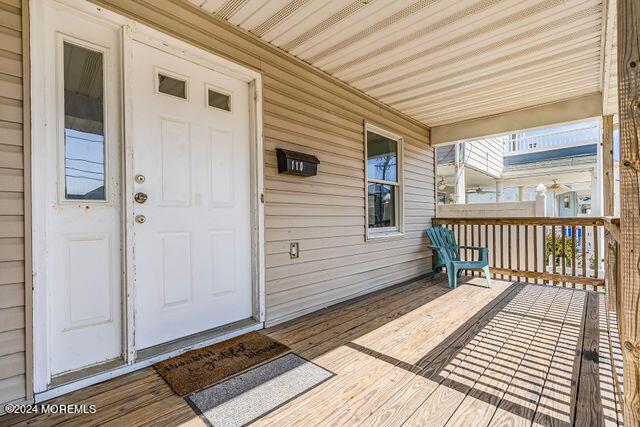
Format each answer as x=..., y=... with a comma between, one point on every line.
x=131, y=30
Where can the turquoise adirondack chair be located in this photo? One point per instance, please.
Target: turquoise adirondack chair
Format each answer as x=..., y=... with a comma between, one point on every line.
x=448, y=255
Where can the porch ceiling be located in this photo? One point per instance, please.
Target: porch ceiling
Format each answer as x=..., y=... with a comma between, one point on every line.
x=441, y=61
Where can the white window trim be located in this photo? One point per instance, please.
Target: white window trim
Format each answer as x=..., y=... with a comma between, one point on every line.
x=384, y=232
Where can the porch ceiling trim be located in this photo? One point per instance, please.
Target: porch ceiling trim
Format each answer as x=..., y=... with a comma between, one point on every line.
x=580, y=108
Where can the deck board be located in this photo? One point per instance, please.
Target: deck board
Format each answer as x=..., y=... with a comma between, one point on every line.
x=555, y=404
x=480, y=404
x=462, y=375
x=417, y=354
x=589, y=409
x=525, y=389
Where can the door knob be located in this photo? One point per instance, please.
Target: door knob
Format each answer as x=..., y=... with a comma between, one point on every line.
x=140, y=197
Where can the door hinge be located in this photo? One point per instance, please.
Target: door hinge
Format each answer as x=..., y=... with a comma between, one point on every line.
x=261, y=197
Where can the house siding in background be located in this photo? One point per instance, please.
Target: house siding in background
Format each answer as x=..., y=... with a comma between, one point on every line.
x=14, y=324
x=486, y=155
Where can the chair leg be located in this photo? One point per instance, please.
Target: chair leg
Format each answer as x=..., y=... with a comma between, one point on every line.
x=487, y=274
x=453, y=278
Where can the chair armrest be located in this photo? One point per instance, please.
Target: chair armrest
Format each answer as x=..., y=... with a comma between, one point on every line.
x=484, y=252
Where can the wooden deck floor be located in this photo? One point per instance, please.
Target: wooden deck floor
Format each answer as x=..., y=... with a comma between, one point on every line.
x=417, y=354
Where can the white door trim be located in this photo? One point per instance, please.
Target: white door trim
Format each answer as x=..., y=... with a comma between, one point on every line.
x=132, y=30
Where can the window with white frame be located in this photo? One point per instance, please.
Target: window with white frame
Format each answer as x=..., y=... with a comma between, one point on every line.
x=384, y=182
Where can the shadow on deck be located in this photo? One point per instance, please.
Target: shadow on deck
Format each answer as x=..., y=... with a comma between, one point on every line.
x=421, y=354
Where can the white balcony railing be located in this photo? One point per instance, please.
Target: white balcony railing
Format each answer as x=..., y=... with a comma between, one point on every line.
x=548, y=141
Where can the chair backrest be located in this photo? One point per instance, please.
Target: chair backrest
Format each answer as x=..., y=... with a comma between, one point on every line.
x=444, y=239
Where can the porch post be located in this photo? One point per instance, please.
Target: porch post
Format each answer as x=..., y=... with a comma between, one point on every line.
x=628, y=23
x=541, y=200
x=499, y=190
x=610, y=246
x=596, y=206
x=607, y=165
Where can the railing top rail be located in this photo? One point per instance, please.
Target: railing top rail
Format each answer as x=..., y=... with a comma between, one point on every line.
x=581, y=220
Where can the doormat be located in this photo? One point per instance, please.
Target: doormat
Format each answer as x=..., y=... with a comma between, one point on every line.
x=197, y=369
x=246, y=397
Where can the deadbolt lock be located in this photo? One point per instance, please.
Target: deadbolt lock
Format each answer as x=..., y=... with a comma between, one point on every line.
x=140, y=219
x=139, y=178
x=140, y=197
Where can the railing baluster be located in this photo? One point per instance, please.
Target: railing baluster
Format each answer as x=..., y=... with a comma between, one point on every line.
x=563, y=254
x=535, y=251
x=553, y=251
x=465, y=242
x=494, y=249
x=596, y=255
x=545, y=260
x=501, y=251
x=473, y=243
x=458, y=227
x=479, y=244
x=486, y=236
x=584, y=252
x=526, y=249
x=509, y=248
x=573, y=253
x=518, y=251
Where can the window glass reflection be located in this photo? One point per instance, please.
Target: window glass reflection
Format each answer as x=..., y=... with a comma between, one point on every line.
x=84, y=144
x=170, y=86
x=219, y=100
x=382, y=205
x=382, y=158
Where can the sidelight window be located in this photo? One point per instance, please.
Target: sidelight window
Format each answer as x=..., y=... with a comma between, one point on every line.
x=84, y=136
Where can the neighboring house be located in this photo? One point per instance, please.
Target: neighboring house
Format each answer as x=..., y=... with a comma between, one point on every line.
x=508, y=168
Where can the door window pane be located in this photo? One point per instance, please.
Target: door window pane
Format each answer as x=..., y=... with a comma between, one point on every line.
x=219, y=100
x=172, y=86
x=84, y=144
x=382, y=205
x=382, y=157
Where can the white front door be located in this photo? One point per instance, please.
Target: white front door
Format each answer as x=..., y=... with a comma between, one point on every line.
x=192, y=246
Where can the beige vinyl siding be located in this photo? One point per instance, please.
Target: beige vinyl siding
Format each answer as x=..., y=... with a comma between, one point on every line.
x=306, y=110
x=13, y=319
x=486, y=154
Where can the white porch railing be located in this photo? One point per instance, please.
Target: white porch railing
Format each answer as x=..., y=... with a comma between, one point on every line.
x=560, y=139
